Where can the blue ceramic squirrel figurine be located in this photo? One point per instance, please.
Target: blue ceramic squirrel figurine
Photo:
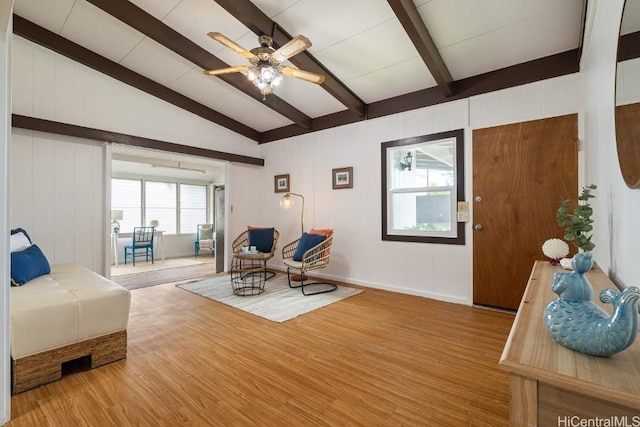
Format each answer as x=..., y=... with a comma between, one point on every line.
x=574, y=321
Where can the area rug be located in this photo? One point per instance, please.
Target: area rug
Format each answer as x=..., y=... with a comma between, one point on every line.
x=277, y=303
x=166, y=275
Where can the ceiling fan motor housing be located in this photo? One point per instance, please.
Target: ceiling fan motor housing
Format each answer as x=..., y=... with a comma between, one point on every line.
x=265, y=41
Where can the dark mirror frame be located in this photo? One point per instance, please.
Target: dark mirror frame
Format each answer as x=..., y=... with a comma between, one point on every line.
x=627, y=117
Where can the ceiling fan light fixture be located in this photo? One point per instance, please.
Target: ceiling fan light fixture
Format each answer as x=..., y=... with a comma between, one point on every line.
x=266, y=71
x=265, y=77
x=253, y=74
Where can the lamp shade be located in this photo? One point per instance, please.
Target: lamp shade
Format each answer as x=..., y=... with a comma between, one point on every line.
x=286, y=202
x=117, y=215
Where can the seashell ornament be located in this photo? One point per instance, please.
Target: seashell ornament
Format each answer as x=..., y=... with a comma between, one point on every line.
x=555, y=250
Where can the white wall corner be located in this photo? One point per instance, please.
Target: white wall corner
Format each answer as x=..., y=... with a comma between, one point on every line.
x=6, y=8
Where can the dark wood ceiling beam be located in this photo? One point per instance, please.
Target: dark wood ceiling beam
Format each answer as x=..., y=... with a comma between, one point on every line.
x=254, y=19
x=58, y=128
x=540, y=69
x=329, y=121
x=629, y=46
x=417, y=31
x=145, y=23
x=56, y=43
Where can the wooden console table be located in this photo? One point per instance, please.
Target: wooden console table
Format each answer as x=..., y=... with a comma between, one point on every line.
x=552, y=385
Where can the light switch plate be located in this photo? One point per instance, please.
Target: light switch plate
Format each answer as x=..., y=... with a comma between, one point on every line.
x=463, y=216
x=463, y=206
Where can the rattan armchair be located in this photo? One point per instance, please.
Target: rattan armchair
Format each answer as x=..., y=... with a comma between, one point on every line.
x=243, y=240
x=314, y=258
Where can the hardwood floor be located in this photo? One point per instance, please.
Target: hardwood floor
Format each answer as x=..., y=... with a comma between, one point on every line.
x=377, y=358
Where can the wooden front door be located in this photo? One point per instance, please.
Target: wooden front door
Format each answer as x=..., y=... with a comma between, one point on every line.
x=521, y=172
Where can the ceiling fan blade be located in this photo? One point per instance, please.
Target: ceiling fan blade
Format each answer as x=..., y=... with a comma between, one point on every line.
x=228, y=70
x=231, y=44
x=307, y=76
x=291, y=48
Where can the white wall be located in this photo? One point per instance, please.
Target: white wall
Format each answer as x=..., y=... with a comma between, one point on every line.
x=616, y=207
x=359, y=255
x=6, y=7
x=245, y=201
x=58, y=196
x=628, y=82
x=60, y=190
x=51, y=86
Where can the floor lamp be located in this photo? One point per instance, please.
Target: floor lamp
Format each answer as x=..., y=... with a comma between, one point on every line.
x=287, y=202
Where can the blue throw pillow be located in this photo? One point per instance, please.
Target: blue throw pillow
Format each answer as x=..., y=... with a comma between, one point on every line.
x=261, y=238
x=27, y=265
x=307, y=241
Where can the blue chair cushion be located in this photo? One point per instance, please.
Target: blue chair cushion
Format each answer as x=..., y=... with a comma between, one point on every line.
x=27, y=265
x=307, y=241
x=261, y=238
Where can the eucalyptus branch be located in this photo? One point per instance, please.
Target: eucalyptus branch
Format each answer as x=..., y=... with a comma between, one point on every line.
x=578, y=223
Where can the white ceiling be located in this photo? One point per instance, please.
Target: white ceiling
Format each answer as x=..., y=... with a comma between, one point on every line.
x=131, y=162
x=630, y=17
x=361, y=42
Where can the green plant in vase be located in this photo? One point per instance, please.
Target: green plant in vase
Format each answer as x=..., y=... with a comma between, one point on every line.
x=577, y=224
x=572, y=319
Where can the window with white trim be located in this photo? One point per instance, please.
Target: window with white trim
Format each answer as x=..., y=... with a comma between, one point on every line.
x=422, y=181
x=161, y=203
x=126, y=195
x=177, y=207
x=193, y=207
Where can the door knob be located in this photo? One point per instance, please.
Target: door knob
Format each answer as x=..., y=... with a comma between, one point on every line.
x=478, y=227
x=478, y=199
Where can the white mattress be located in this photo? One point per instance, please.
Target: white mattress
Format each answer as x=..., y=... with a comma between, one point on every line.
x=69, y=305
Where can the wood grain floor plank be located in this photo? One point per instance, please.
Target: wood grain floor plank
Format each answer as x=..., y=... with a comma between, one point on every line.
x=377, y=358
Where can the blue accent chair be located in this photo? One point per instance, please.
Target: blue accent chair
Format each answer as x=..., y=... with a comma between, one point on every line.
x=205, y=239
x=141, y=243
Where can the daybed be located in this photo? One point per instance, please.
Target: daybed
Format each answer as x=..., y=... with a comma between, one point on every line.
x=69, y=313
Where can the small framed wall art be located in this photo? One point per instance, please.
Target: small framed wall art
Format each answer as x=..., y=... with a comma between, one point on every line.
x=281, y=183
x=342, y=178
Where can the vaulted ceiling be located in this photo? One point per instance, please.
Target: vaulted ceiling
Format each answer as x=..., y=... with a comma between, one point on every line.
x=379, y=56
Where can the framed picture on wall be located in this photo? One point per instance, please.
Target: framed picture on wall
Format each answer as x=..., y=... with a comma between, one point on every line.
x=281, y=183
x=342, y=178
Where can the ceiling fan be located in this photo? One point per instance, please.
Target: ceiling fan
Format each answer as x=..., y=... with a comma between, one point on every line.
x=266, y=70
